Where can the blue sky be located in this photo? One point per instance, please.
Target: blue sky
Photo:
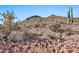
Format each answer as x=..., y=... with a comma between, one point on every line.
x=25, y=11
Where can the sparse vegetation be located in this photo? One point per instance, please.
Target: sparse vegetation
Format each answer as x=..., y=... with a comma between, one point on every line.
x=53, y=34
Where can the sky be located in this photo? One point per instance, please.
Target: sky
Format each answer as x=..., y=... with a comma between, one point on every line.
x=24, y=11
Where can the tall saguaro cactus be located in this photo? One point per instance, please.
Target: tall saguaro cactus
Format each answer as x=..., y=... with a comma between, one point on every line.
x=70, y=15
x=8, y=18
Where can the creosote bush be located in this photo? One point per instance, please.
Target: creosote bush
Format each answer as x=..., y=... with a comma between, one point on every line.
x=56, y=28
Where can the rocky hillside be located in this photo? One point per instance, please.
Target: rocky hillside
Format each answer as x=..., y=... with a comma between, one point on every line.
x=53, y=33
x=51, y=25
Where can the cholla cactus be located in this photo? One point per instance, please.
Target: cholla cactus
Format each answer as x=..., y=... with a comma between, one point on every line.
x=7, y=20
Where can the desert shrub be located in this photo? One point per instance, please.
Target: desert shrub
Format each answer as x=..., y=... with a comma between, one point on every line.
x=77, y=32
x=40, y=20
x=0, y=38
x=1, y=26
x=52, y=37
x=56, y=28
x=69, y=31
x=16, y=27
x=37, y=25
x=29, y=26
x=43, y=25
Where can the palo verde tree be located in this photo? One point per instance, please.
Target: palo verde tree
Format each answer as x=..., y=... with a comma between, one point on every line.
x=7, y=20
x=70, y=15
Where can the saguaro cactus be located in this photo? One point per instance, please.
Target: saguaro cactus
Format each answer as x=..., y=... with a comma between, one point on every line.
x=70, y=15
x=8, y=18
